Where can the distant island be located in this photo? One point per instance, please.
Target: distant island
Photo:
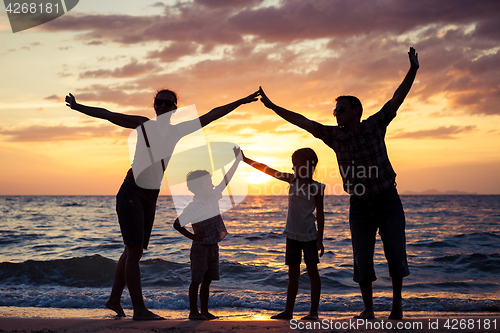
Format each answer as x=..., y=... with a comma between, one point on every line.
x=436, y=192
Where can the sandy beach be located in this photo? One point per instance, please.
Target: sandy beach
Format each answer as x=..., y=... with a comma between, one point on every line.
x=80, y=325
x=61, y=321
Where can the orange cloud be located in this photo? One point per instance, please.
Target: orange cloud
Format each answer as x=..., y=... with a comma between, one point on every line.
x=441, y=132
x=173, y=52
x=363, y=52
x=132, y=69
x=39, y=133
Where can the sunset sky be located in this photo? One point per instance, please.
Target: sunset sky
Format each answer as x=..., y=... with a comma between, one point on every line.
x=116, y=54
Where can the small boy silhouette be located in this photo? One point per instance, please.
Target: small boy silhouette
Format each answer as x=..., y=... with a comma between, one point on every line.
x=208, y=229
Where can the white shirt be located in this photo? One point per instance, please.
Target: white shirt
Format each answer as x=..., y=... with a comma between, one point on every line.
x=162, y=138
x=301, y=205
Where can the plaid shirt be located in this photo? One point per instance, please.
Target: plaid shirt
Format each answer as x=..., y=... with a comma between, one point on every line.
x=362, y=156
x=205, y=216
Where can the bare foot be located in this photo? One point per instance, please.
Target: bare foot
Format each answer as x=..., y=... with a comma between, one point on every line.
x=310, y=317
x=396, y=314
x=365, y=315
x=209, y=315
x=283, y=315
x=147, y=315
x=116, y=307
x=197, y=316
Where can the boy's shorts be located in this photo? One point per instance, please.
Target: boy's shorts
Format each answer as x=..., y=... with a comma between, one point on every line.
x=136, y=208
x=204, y=262
x=294, y=249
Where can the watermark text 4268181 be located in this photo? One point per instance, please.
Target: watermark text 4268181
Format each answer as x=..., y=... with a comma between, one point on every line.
x=31, y=13
x=433, y=324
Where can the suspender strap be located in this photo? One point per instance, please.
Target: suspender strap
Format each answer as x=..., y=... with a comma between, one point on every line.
x=145, y=136
x=149, y=148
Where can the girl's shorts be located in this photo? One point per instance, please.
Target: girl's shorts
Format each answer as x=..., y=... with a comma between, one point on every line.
x=294, y=250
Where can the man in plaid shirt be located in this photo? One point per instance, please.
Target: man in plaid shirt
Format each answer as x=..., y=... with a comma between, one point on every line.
x=369, y=178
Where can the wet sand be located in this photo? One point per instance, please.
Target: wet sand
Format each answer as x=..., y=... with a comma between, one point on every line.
x=419, y=322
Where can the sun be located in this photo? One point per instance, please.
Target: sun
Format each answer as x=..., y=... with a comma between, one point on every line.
x=257, y=178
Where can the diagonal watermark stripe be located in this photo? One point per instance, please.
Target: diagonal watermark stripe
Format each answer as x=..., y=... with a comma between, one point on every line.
x=174, y=143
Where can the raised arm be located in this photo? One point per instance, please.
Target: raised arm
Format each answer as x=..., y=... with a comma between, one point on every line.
x=286, y=177
x=290, y=116
x=119, y=119
x=229, y=175
x=404, y=88
x=221, y=111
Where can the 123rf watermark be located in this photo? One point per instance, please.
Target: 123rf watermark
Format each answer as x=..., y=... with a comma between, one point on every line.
x=26, y=14
x=485, y=324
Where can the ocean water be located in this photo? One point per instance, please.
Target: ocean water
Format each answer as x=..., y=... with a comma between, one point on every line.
x=60, y=252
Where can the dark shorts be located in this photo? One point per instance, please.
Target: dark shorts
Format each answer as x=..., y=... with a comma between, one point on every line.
x=136, y=208
x=204, y=262
x=385, y=214
x=294, y=248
